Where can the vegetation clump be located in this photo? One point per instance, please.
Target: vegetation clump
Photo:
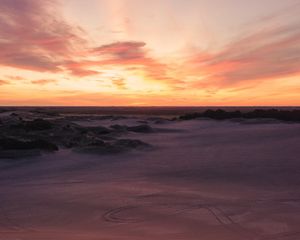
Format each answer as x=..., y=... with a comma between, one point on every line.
x=282, y=115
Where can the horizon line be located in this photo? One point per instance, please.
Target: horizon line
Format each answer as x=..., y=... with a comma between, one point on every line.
x=154, y=106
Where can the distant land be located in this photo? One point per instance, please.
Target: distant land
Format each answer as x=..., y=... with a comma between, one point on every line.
x=153, y=110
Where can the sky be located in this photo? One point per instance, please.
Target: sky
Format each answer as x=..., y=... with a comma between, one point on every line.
x=149, y=53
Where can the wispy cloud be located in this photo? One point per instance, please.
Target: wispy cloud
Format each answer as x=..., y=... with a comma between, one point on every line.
x=122, y=50
x=15, y=78
x=131, y=55
x=272, y=52
x=120, y=83
x=34, y=36
x=43, y=81
x=3, y=82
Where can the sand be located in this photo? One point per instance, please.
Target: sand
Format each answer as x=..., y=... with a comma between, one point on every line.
x=201, y=179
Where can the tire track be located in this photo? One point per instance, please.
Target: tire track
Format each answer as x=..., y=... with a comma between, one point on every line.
x=112, y=215
x=227, y=222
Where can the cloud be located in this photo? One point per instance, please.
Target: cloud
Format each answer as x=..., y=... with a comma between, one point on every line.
x=31, y=62
x=78, y=69
x=122, y=50
x=120, y=83
x=272, y=52
x=43, y=81
x=3, y=82
x=114, y=54
x=10, y=79
x=34, y=36
x=131, y=55
x=17, y=78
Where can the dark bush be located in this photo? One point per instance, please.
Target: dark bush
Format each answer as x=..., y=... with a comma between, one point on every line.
x=284, y=115
x=130, y=143
x=14, y=144
x=141, y=129
x=35, y=125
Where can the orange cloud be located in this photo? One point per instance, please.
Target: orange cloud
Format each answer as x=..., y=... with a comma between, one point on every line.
x=43, y=81
x=2, y=82
x=18, y=78
x=120, y=83
x=78, y=69
x=132, y=56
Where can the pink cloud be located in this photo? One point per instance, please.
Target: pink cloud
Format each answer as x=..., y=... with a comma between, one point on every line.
x=266, y=54
x=132, y=55
x=35, y=36
x=122, y=50
x=38, y=38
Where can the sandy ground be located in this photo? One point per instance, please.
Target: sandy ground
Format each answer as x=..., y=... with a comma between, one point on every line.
x=207, y=180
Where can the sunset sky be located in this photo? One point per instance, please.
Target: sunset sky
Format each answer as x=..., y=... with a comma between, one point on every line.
x=149, y=53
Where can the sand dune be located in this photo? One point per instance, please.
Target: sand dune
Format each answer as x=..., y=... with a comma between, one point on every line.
x=202, y=179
